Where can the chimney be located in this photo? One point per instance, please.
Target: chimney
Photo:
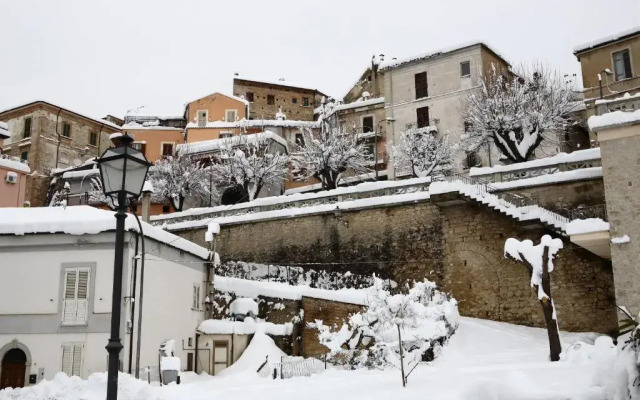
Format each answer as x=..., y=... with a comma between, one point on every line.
x=147, y=190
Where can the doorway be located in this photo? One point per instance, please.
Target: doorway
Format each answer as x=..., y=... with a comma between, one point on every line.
x=14, y=366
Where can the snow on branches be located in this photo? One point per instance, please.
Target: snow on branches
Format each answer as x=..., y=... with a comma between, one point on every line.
x=251, y=164
x=519, y=113
x=423, y=152
x=393, y=330
x=178, y=178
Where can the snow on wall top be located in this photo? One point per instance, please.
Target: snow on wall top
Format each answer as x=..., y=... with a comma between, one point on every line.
x=247, y=327
x=251, y=123
x=215, y=144
x=84, y=220
x=80, y=174
x=560, y=158
x=616, y=118
x=253, y=289
x=588, y=225
x=607, y=39
x=150, y=126
x=243, y=305
x=626, y=96
x=15, y=165
x=407, y=60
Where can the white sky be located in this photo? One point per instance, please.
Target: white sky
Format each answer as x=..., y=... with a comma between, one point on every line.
x=105, y=57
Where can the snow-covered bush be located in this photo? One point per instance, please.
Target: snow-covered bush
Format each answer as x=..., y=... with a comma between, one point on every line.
x=394, y=329
x=423, y=152
x=60, y=198
x=178, y=178
x=250, y=164
x=519, y=112
x=539, y=261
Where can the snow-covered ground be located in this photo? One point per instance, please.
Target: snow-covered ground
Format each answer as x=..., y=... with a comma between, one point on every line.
x=484, y=360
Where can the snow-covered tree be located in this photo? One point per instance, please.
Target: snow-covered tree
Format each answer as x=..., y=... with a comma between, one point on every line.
x=178, y=178
x=395, y=330
x=96, y=194
x=60, y=198
x=539, y=261
x=251, y=162
x=519, y=113
x=422, y=151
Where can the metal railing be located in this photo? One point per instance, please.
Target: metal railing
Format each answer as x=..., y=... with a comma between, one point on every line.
x=290, y=367
x=532, y=172
x=597, y=211
x=13, y=158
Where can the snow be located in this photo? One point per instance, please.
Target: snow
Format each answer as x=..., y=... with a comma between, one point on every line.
x=80, y=174
x=595, y=43
x=84, y=220
x=589, y=225
x=207, y=146
x=212, y=230
x=148, y=125
x=98, y=120
x=532, y=254
x=564, y=176
x=560, y=158
x=259, y=123
x=246, y=327
x=621, y=239
x=147, y=187
x=115, y=135
x=253, y=289
x=394, y=63
x=244, y=306
x=627, y=96
x=356, y=104
x=170, y=363
x=484, y=360
x=616, y=118
x=280, y=82
x=14, y=164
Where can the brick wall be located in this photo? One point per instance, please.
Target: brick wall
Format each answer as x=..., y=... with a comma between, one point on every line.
x=565, y=196
x=284, y=96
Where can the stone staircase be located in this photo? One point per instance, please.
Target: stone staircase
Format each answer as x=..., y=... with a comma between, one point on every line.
x=512, y=205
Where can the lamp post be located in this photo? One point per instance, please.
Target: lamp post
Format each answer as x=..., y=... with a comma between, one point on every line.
x=123, y=171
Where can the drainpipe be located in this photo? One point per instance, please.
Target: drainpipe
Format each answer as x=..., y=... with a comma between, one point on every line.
x=195, y=365
x=391, y=168
x=58, y=135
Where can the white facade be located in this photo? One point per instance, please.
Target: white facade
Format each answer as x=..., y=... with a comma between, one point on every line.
x=55, y=300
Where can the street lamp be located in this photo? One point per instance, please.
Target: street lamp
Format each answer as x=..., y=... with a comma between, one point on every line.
x=123, y=171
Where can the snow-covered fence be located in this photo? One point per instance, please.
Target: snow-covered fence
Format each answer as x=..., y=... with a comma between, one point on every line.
x=290, y=367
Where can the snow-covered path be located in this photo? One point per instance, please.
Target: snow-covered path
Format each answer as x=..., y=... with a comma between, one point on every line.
x=485, y=360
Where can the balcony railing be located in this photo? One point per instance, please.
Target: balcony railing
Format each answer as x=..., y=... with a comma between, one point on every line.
x=13, y=158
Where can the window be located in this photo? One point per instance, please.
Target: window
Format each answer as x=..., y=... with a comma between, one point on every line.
x=231, y=115
x=622, y=65
x=422, y=88
x=72, y=358
x=27, y=127
x=465, y=68
x=367, y=124
x=196, y=297
x=93, y=138
x=422, y=115
x=249, y=97
x=142, y=147
x=300, y=139
x=305, y=102
x=271, y=99
x=189, y=361
x=167, y=149
x=66, y=129
x=76, y=296
x=166, y=209
x=294, y=100
x=24, y=155
x=225, y=134
x=202, y=118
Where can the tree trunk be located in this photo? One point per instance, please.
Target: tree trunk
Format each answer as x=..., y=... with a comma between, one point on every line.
x=547, y=309
x=404, y=381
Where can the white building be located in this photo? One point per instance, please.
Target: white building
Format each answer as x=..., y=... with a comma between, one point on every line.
x=56, y=275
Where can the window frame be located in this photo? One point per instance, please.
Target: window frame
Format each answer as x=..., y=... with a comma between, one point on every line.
x=195, y=300
x=73, y=346
x=271, y=100
x=26, y=133
x=93, y=139
x=173, y=145
x=249, y=96
x=66, y=303
x=421, y=90
x=613, y=64
x=305, y=102
x=225, y=134
x=468, y=63
x=294, y=100
x=206, y=118
x=418, y=119
x=66, y=125
x=235, y=111
x=373, y=122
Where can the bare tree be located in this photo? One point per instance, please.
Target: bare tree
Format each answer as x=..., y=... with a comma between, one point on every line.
x=423, y=152
x=539, y=261
x=519, y=113
x=177, y=178
x=251, y=162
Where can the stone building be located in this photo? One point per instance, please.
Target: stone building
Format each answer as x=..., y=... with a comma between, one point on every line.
x=610, y=67
x=425, y=91
x=267, y=98
x=51, y=137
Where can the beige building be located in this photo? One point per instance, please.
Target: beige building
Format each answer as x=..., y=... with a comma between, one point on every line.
x=267, y=98
x=155, y=136
x=610, y=67
x=51, y=137
x=425, y=91
x=211, y=117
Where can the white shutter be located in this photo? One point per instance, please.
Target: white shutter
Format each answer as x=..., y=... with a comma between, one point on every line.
x=67, y=359
x=197, y=297
x=77, y=359
x=82, y=297
x=76, y=296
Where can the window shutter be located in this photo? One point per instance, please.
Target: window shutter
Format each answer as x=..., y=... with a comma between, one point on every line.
x=627, y=64
x=70, y=304
x=82, y=297
x=421, y=85
x=77, y=359
x=67, y=359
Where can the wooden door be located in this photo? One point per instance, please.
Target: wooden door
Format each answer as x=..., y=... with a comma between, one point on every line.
x=14, y=365
x=220, y=356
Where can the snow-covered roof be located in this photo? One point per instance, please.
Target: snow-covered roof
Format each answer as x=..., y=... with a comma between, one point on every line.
x=84, y=220
x=394, y=63
x=625, y=97
x=589, y=225
x=280, y=290
x=560, y=158
x=240, y=99
x=627, y=33
x=215, y=144
x=150, y=126
x=81, y=173
x=247, y=327
x=4, y=130
x=616, y=118
x=356, y=104
x=243, y=305
x=251, y=123
x=97, y=120
x=10, y=163
x=278, y=82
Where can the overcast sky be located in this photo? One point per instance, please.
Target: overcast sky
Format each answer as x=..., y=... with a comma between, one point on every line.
x=105, y=57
